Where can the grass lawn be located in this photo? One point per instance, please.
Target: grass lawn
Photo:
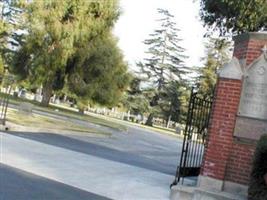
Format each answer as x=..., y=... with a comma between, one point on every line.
x=47, y=123
x=158, y=129
x=93, y=118
x=67, y=112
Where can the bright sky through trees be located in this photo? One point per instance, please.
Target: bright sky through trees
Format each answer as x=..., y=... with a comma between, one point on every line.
x=138, y=21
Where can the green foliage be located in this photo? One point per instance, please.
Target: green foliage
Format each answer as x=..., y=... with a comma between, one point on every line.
x=257, y=187
x=134, y=99
x=4, y=33
x=3, y=43
x=2, y=69
x=173, y=102
x=70, y=42
x=235, y=16
x=165, y=59
x=164, y=68
x=8, y=80
x=102, y=76
x=11, y=20
x=217, y=54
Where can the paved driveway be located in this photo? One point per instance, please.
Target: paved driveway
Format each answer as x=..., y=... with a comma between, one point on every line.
x=16, y=184
x=136, y=164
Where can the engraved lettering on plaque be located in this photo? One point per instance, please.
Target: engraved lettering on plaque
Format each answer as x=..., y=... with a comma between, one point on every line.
x=253, y=101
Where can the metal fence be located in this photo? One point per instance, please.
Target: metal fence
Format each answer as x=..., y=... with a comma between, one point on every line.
x=194, y=137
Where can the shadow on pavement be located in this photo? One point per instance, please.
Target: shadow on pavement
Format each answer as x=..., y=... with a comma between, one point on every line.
x=16, y=184
x=97, y=150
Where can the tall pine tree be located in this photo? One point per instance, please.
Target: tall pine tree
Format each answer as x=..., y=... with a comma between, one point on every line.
x=164, y=64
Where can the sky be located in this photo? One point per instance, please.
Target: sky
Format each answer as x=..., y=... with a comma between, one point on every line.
x=138, y=20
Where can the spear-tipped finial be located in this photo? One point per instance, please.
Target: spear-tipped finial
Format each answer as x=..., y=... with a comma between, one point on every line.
x=264, y=49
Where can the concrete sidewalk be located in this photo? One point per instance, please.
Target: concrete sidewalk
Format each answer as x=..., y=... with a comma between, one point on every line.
x=86, y=172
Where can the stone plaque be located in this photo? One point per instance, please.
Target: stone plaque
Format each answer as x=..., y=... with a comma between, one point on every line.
x=250, y=128
x=253, y=102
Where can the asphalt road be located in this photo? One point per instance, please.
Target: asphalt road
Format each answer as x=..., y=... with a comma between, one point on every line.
x=136, y=147
x=16, y=184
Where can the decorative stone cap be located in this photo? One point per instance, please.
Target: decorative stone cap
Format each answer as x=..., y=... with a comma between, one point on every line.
x=250, y=36
x=232, y=70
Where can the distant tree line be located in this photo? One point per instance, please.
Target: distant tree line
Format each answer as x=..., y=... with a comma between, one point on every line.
x=68, y=48
x=66, y=45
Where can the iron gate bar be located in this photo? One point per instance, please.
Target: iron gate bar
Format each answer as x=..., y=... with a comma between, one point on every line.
x=198, y=121
x=196, y=143
x=188, y=125
x=195, y=135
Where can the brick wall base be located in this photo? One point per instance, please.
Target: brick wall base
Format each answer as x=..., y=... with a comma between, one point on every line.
x=239, y=164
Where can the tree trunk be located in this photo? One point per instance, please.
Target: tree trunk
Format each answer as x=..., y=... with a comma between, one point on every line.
x=149, y=121
x=47, y=93
x=168, y=121
x=81, y=111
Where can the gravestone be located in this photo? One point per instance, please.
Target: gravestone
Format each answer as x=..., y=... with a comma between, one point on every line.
x=38, y=96
x=251, y=122
x=26, y=107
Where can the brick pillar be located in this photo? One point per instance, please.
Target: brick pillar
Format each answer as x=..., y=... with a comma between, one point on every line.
x=248, y=46
x=221, y=129
x=224, y=158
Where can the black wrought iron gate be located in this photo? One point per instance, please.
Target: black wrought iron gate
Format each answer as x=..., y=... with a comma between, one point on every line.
x=194, y=137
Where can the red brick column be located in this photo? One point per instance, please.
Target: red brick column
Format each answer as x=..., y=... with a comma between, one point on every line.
x=240, y=163
x=226, y=158
x=248, y=46
x=222, y=126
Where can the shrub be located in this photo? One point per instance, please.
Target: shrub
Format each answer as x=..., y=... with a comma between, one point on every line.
x=257, y=187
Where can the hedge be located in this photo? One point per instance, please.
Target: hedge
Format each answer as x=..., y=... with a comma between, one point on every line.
x=257, y=187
